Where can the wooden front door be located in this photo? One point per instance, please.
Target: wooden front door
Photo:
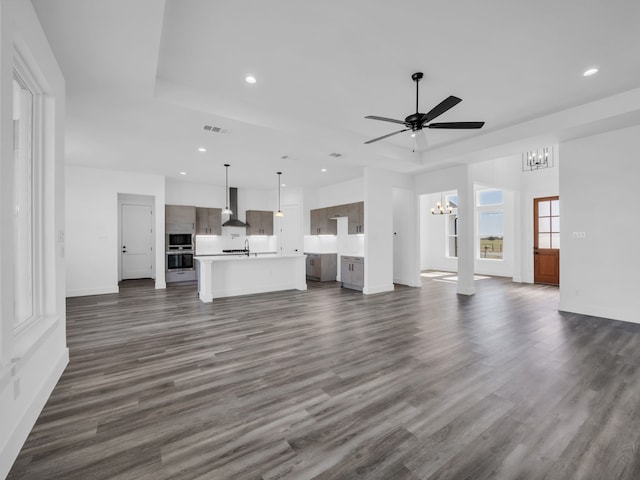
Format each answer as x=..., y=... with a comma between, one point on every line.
x=546, y=240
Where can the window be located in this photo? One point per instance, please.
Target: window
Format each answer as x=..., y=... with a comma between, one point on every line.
x=452, y=227
x=490, y=209
x=549, y=224
x=23, y=168
x=27, y=214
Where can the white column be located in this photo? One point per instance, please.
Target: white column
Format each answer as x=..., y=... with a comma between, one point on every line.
x=466, y=240
x=205, y=279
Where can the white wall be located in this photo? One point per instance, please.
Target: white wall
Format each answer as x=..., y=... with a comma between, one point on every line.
x=598, y=195
x=535, y=184
x=212, y=196
x=433, y=237
x=92, y=226
x=351, y=191
x=32, y=358
x=520, y=187
x=198, y=194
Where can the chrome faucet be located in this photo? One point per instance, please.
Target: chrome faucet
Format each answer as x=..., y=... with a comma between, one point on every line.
x=246, y=245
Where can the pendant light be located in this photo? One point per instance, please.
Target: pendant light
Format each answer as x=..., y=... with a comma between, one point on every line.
x=279, y=212
x=227, y=210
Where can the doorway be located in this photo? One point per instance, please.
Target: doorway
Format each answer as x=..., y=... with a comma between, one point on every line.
x=137, y=256
x=546, y=240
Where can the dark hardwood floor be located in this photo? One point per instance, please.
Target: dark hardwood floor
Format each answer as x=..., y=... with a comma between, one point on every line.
x=333, y=384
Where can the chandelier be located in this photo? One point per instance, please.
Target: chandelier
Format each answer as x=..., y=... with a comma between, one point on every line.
x=537, y=159
x=446, y=209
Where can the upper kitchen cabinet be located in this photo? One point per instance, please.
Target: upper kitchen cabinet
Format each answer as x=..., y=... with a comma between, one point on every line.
x=180, y=218
x=338, y=211
x=356, y=217
x=208, y=221
x=321, y=224
x=260, y=222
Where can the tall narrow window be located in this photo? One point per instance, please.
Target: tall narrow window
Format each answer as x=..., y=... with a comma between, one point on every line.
x=23, y=201
x=490, y=207
x=452, y=227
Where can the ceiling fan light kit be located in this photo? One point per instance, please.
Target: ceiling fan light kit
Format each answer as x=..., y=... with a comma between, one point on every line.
x=417, y=121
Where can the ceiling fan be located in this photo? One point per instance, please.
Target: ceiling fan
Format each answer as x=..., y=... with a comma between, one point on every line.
x=418, y=121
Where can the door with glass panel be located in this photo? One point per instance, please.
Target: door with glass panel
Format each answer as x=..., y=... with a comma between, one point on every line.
x=546, y=241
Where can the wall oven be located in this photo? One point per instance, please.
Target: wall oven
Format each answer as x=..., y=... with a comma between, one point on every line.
x=179, y=261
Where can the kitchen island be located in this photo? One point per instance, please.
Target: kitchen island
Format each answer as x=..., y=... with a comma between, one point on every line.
x=231, y=275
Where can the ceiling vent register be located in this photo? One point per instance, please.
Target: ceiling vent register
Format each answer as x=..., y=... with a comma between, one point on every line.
x=212, y=129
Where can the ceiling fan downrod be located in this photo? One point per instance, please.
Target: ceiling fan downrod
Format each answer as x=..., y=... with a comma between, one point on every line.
x=416, y=77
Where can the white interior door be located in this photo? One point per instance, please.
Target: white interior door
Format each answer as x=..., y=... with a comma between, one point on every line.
x=137, y=241
x=291, y=230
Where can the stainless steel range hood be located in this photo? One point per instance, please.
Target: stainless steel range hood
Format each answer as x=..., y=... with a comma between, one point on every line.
x=233, y=205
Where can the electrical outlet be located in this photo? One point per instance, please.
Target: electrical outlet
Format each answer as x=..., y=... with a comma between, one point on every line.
x=580, y=235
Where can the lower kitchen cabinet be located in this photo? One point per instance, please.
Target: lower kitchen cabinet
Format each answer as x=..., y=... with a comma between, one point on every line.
x=352, y=272
x=182, y=276
x=322, y=267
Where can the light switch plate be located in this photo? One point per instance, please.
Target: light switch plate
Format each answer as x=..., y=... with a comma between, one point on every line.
x=580, y=235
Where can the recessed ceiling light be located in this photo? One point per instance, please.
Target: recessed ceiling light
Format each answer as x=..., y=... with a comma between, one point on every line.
x=283, y=185
x=323, y=170
x=413, y=135
x=591, y=71
x=250, y=79
x=183, y=173
x=202, y=149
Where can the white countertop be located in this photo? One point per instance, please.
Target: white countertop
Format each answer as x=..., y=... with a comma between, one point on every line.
x=233, y=257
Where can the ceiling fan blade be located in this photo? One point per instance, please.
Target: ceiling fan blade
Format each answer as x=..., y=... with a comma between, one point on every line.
x=384, y=119
x=439, y=109
x=387, y=135
x=465, y=125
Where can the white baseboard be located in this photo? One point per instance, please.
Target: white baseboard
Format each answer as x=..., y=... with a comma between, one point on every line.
x=378, y=289
x=622, y=314
x=16, y=440
x=92, y=291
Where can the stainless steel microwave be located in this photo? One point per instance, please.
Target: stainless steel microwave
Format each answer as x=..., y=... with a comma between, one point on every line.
x=180, y=241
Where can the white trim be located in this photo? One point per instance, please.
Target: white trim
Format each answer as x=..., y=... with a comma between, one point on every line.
x=378, y=289
x=93, y=291
x=30, y=339
x=622, y=314
x=9, y=452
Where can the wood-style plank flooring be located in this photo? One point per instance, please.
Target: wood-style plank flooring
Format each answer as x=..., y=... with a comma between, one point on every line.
x=419, y=383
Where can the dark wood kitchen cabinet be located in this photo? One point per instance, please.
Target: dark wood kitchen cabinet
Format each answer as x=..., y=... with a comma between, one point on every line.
x=356, y=218
x=180, y=218
x=260, y=222
x=208, y=221
x=352, y=272
x=321, y=224
x=322, y=267
x=323, y=220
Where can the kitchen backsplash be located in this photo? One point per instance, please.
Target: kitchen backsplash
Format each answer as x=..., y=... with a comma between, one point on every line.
x=234, y=239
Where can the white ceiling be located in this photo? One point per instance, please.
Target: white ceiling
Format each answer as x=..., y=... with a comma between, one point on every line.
x=144, y=76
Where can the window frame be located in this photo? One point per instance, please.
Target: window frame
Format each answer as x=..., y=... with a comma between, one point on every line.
x=488, y=208
x=24, y=77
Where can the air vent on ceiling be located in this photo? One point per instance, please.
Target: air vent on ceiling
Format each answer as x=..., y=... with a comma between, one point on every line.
x=335, y=154
x=211, y=129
